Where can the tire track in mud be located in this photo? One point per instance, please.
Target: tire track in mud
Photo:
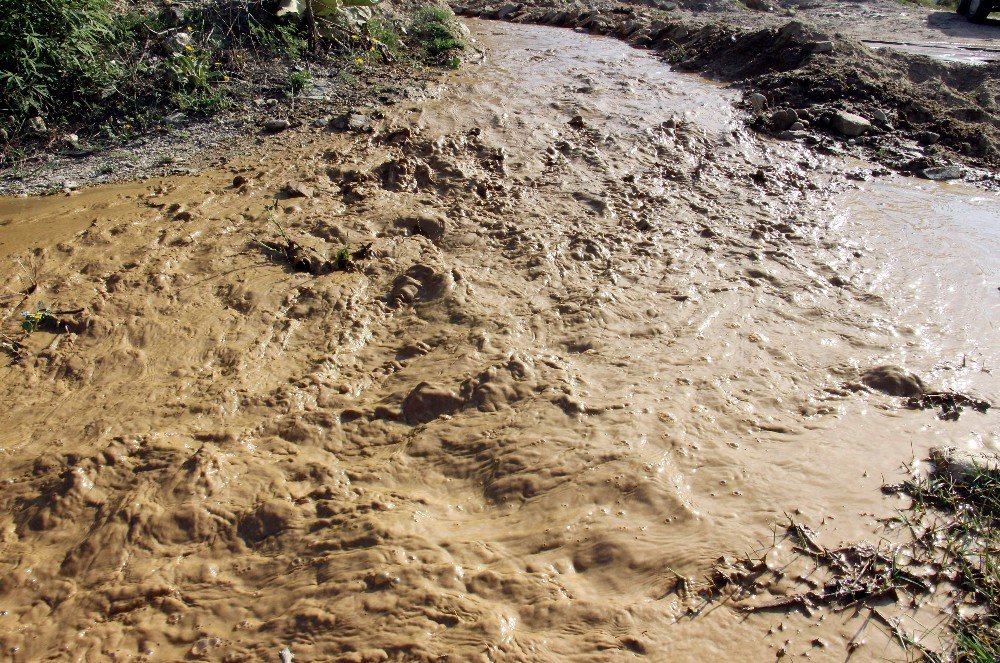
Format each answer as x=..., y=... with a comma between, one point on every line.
x=603, y=337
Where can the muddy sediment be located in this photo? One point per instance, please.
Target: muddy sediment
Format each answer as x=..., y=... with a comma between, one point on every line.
x=914, y=114
x=600, y=336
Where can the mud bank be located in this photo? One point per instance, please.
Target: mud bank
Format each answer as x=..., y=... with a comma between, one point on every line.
x=600, y=336
x=908, y=112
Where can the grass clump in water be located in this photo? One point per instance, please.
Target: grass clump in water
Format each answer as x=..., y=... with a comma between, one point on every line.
x=958, y=513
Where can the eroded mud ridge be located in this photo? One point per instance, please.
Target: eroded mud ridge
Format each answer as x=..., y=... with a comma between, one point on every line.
x=907, y=103
x=598, y=337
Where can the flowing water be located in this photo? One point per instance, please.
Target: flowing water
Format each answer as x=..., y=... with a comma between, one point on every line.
x=604, y=336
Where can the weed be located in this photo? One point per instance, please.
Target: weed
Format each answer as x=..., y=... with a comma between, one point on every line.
x=438, y=34
x=41, y=316
x=299, y=81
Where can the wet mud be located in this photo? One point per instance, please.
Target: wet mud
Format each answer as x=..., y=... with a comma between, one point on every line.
x=914, y=113
x=601, y=335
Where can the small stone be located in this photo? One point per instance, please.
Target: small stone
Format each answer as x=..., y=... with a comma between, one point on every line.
x=880, y=116
x=850, y=124
x=177, y=42
x=358, y=122
x=758, y=102
x=296, y=189
x=941, y=173
x=507, y=10
x=321, y=122
x=275, y=125
x=822, y=47
x=577, y=122
x=70, y=185
x=928, y=137
x=783, y=119
x=797, y=126
x=239, y=181
x=37, y=124
x=175, y=119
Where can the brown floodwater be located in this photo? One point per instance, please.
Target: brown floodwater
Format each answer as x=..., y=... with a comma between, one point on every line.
x=603, y=337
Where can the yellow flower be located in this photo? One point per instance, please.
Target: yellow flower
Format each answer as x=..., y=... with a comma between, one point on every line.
x=361, y=61
x=189, y=28
x=225, y=78
x=190, y=48
x=355, y=37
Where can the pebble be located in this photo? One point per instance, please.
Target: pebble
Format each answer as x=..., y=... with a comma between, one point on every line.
x=275, y=125
x=850, y=124
x=940, y=173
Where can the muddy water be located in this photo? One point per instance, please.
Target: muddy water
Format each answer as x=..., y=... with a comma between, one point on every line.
x=586, y=358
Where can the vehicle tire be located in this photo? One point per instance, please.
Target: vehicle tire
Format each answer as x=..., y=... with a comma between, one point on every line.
x=978, y=10
x=963, y=7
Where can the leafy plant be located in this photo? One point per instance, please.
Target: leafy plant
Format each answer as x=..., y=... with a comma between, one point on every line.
x=54, y=56
x=299, y=81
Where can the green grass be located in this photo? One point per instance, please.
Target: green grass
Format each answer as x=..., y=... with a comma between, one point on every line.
x=961, y=524
x=438, y=35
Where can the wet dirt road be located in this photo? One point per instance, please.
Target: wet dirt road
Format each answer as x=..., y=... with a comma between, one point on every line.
x=603, y=337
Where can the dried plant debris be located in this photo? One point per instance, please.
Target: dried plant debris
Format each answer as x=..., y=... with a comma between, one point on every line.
x=304, y=259
x=945, y=544
x=950, y=402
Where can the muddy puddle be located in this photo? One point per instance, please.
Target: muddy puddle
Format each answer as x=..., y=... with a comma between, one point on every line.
x=599, y=337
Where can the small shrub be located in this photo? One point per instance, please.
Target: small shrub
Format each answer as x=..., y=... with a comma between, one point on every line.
x=438, y=34
x=299, y=81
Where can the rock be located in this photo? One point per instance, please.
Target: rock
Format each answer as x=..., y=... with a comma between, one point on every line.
x=358, y=122
x=758, y=102
x=321, y=122
x=880, y=117
x=427, y=402
x=822, y=47
x=940, y=173
x=296, y=189
x=850, y=124
x=431, y=226
x=507, y=10
x=792, y=135
x=797, y=126
x=893, y=380
x=177, y=42
x=72, y=140
x=37, y=125
x=239, y=181
x=274, y=125
x=577, y=122
x=172, y=16
x=928, y=137
x=783, y=119
x=70, y=185
x=963, y=465
x=352, y=122
x=176, y=119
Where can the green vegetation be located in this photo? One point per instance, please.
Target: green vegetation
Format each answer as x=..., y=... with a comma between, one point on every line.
x=40, y=317
x=57, y=57
x=438, y=34
x=88, y=67
x=958, y=519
